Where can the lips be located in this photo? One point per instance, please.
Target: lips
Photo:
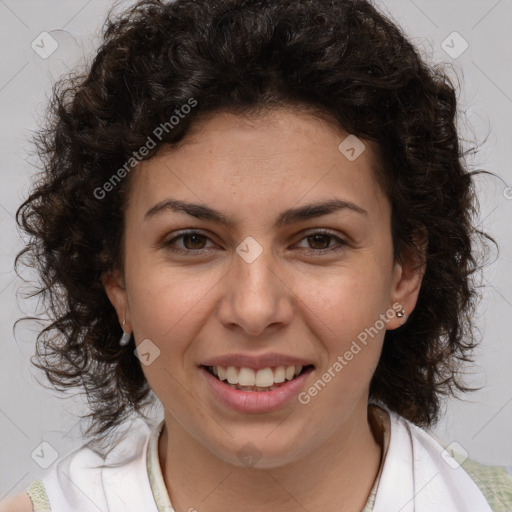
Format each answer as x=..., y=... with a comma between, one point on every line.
x=255, y=383
x=254, y=399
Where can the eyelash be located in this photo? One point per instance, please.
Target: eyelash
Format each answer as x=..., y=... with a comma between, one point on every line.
x=337, y=248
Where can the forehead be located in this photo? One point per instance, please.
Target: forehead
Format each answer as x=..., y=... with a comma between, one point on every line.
x=279, y=158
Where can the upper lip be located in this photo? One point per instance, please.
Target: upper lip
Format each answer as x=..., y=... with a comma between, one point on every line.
x=256, y=362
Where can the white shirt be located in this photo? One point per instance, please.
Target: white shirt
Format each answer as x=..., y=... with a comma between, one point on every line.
x=417, y=475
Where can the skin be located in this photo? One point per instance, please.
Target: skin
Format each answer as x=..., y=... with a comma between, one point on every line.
x=193, y=306
x=17, y=503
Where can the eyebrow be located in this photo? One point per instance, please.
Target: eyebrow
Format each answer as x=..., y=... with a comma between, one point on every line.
x=290, y=216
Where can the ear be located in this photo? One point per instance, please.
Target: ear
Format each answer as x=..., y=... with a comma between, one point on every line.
x=407, y=278
x=114, y=285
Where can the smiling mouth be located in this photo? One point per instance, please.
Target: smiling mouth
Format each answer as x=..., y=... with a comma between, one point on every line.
x=266, y=379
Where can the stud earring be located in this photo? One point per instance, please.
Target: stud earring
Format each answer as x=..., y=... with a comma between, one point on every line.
x=126, y=337
x=401, y=314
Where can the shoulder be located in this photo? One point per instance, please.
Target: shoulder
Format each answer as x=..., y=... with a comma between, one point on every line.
x=494, y=482
x=462, y=479
x=18, y=503
x=34, y=498
x=91, y=477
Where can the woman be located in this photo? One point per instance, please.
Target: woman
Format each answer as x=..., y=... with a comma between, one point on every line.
x=258, y=212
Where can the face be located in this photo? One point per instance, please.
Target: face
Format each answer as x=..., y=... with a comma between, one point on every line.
x=262, y=283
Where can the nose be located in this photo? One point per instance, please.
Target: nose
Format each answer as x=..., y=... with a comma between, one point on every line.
x=258, y=295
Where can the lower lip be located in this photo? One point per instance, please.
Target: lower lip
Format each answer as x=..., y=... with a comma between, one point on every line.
x=255, y=401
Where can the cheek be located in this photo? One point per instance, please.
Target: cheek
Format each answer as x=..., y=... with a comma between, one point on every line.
x=344, y=301
x=344, y=313
x=168, y=308
x=165, y=302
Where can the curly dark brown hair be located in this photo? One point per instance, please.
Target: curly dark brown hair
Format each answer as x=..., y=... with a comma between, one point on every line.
x=340, y=59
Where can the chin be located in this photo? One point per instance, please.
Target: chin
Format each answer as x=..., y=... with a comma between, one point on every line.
x=261, y=452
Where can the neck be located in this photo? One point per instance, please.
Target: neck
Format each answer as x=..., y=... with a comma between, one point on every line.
x=337, y=476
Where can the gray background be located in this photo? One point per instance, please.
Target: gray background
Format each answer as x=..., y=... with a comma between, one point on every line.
x=31, y=414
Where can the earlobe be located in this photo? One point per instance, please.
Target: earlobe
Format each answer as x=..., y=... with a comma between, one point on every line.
x=406, y=285
x=114, y=286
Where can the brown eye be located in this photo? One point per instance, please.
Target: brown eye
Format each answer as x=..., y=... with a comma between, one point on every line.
x=320, y=243
x=190, y=242
x=195, y=241
x=319, y=240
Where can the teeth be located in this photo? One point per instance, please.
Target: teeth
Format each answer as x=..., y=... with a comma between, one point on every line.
x=232, y=375
x=264, y=378
x=246, y=377
x=279, y=374
x=221, y=373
